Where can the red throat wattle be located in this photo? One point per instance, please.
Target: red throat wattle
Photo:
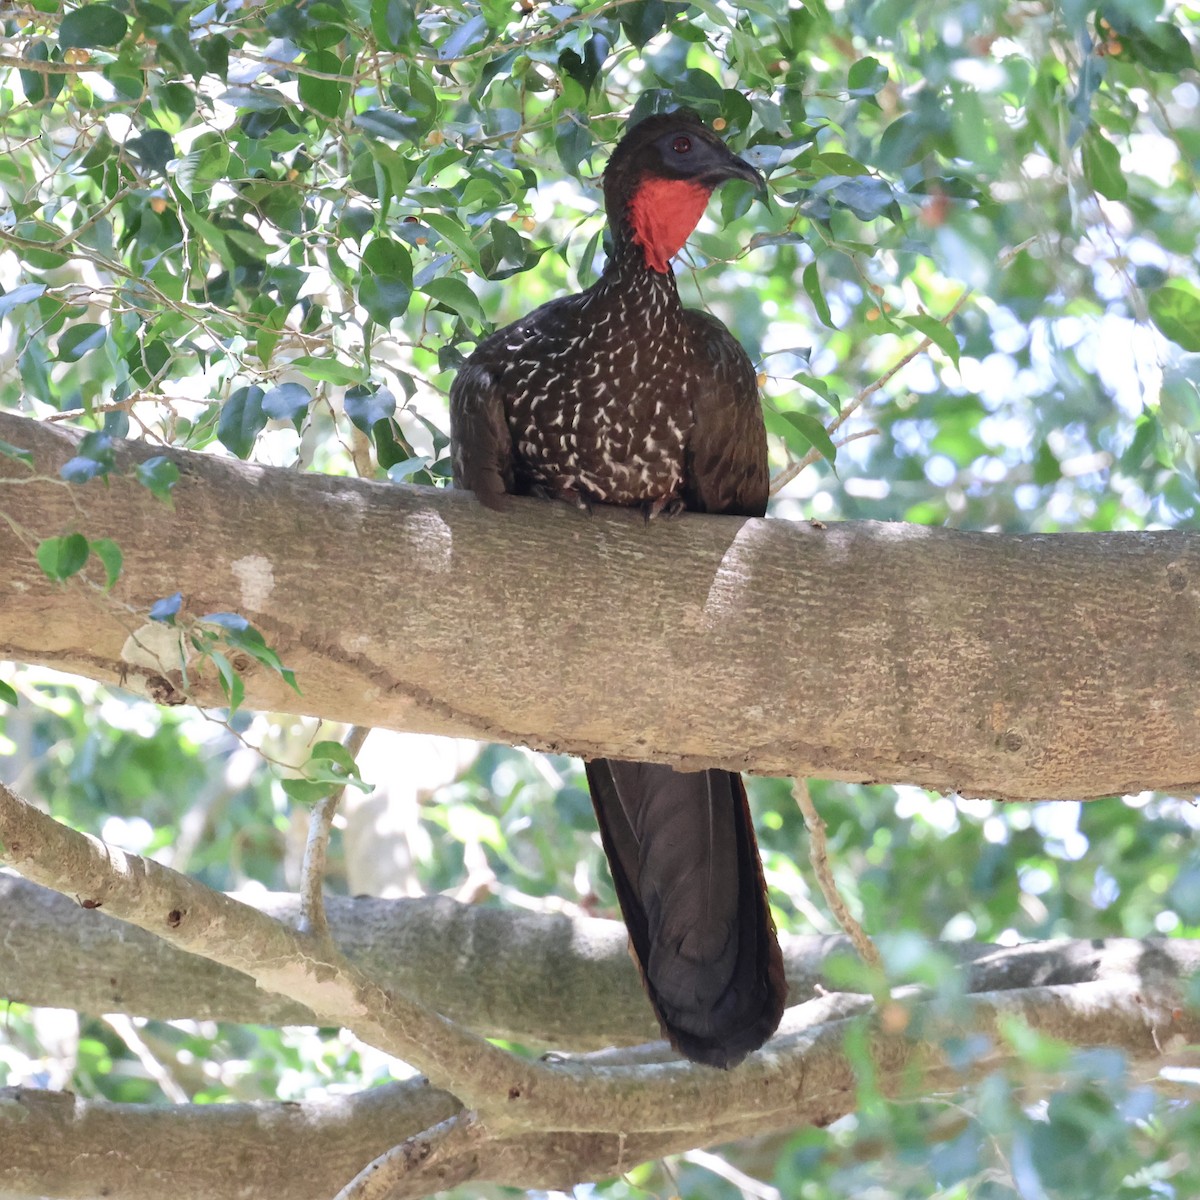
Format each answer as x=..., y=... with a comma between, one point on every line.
x=663, y=213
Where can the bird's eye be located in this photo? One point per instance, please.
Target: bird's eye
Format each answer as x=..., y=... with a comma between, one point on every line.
x=681, y=145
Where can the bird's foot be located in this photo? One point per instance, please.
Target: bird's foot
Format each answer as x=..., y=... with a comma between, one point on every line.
x=665, y=507
x=569, y=496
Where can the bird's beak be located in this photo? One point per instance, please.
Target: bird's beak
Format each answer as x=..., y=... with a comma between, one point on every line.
x=739, y=168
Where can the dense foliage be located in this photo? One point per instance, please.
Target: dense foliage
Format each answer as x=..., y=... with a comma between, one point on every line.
x=273, y=230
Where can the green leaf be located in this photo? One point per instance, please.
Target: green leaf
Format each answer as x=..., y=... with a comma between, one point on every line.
x=286, y=402
x=814, y=433
x=79, y=339
x=8, y=694
x=25, y=294
x=365, y=405
x=335, y=752
x=454, y=232
x=332, y=763
x=237, y=632
x=392, y=22
x=465, y=36
x=159, y=474
x=231, y=681
x=95, y=457
x=62, y=557
x=821, y=388
x=388, y=257
x=91, y=26
x=36, y=85
x=109, y=553
x=455, y=295
x=392, y=126
x=834, y=163
x=866, y=77
x=1161, y=47
x=399, y=472
x=305, y=791
x=1175, y=309
x=938, y=333
x=1102, y=166
x=385, y=297
x=197, y=171
x=642, y=19
x=10, y=451
x=812, y=285
x=326, y=96
x=329, y=370
x=242, y=420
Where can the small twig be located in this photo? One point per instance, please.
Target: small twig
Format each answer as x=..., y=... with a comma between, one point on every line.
x=818, y=855
x=378, y=1179
x=127, y=1031
x=320, y=824
x=116, y=406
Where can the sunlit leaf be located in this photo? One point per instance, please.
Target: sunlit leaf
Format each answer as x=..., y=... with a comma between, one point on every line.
x=109, y=553
x=79, y=339
x=812, y=285
x=167, y=609
x=1175, y=309
x=62, y=557
x=937, y=332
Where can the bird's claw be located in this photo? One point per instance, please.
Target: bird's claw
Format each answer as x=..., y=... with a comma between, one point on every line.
x=665, y=507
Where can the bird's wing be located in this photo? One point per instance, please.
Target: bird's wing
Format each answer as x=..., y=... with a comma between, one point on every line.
x=481, y=446
x=726, y=469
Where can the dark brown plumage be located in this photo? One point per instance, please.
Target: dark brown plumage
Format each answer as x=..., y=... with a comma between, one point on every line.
x=620, y=395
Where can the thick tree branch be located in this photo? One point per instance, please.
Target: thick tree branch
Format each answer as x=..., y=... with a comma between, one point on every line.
x=1142, y=1013
x=550, y=1124
x=192, y=1152
x=1012, y=666
x=541, y=980
x=200, y=921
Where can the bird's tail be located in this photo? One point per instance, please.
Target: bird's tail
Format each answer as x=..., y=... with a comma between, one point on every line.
x=685, y=864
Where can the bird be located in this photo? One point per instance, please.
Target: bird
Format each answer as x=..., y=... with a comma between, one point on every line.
x=619, y=395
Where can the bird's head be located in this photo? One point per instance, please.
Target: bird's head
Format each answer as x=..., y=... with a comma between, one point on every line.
x=660, y=178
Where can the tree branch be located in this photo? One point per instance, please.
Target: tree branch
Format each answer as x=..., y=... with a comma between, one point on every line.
x=196, y=919
x=540, y=980
x=190, y=1152
x=1020, y=667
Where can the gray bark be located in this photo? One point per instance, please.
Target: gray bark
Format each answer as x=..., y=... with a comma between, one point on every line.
x=1013, y=666
x=541, y=980
x=306, y=1151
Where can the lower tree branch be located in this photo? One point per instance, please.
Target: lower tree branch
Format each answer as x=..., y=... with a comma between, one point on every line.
x=542, y=980
x=196, y=919
x=192, y=1152
x=413, y=1161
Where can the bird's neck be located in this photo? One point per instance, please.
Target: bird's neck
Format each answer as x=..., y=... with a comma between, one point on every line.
x=651, y=224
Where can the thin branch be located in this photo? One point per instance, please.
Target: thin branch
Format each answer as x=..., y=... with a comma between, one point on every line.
x=313, y=920
x=818, y=855
x=415, y=1156
x=196, y=919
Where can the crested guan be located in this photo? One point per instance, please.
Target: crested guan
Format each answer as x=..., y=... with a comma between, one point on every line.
x=620, y=395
